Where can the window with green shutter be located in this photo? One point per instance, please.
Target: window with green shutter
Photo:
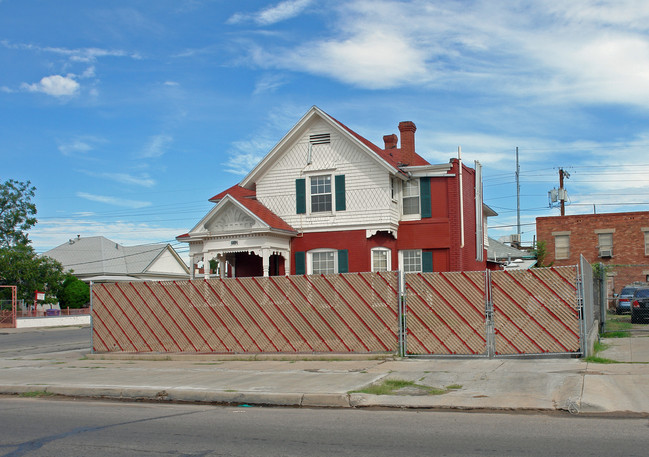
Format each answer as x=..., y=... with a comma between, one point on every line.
x=300, y=196
x=424, y=190
x=300, y=264
x=427, y=262
x=340, y=192
x=343, y=263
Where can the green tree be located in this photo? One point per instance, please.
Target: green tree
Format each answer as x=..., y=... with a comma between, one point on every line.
x=74, y=293
x=17, y=212
x=541, y=252
x=21, y=266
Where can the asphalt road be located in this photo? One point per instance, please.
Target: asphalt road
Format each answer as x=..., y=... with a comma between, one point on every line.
x=53, y=427
x=20, y=342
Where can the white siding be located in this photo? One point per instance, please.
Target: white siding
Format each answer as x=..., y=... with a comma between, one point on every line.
x=166, y=263
x=368, y=199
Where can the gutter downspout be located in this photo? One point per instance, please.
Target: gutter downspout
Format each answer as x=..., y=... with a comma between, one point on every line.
x=459, y=159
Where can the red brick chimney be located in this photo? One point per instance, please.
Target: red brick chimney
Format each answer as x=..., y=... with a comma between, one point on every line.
x=390, y=141
x=407, y=130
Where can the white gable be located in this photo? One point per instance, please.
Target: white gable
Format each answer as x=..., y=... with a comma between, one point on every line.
x=166, y=262
x=228, y=216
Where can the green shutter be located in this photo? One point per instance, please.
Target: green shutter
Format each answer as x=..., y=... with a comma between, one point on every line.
x=300, y=263
x=300, y=196
x=340, y=193
x=427, y=262
x=424, y=193
x=343, y=266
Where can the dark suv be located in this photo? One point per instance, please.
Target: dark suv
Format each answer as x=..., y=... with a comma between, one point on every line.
x=623, y=303
x=640, y=305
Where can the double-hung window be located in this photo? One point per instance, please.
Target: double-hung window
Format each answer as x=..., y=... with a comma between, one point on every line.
x=561, y=245
x=320, y=193
x=605, y=242
x=411, y=261
x=410, y=197
x=323, y=262
x=381, y=259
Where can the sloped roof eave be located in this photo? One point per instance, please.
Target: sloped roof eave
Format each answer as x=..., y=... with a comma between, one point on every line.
x=251, y=177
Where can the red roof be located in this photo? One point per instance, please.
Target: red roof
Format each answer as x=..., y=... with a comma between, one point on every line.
x=235, y=191
x=392, y=156
x=247, y=198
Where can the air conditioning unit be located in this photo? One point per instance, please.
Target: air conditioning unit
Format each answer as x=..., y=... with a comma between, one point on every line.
x=606, y=252
x=515, y=238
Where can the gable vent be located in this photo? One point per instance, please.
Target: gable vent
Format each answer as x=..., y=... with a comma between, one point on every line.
x=320, y=138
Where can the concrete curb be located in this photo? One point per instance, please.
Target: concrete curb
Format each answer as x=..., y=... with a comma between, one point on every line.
x=319, y=400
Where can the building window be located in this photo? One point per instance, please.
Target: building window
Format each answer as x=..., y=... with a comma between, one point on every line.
x=646, y=241
x=381, y=259
x=320, y=193
x=323, y=262
x=411, y=197
x=561, y=247
x=393, y=189
x=605, y=244
x=411, y=261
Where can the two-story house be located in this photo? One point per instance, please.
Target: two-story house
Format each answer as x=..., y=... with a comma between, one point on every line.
x=327, y=200
x=620, y=241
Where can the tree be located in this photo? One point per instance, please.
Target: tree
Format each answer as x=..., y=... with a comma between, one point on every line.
x=541, y=252
x=74, y=293
x=21, y=266
x=16, y=212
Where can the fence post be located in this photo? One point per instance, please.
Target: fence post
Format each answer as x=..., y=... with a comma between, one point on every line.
x=603, y=299
x=489, y=317
x=401, y=315
x=92, y=327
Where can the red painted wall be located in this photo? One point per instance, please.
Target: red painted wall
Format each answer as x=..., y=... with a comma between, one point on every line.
x=439, y=233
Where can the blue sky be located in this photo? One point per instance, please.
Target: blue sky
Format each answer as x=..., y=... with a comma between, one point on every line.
x=128, y=115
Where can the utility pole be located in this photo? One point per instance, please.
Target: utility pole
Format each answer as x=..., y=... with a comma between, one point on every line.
x=562, y=192
x=518, y=197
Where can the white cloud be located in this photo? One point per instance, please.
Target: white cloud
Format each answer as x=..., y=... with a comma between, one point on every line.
x=553, y=51
x=113, y=200
x=75, y=55
x=156, y=146
x=284, y=10
x=80, y=145
x=55, y=85
x=88, y=72
x=268, y=83
x=142, y=180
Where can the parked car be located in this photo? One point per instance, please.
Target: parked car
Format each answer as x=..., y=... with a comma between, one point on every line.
x=640, y=305
x=624, y=299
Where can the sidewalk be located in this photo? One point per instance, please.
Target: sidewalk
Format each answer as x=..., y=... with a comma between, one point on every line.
x=492, y=384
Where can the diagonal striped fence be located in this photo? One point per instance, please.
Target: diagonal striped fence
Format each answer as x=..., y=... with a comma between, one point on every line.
x=294, y=314
x=487, y=314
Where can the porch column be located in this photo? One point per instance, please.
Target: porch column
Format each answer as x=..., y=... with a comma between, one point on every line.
x=265, y=261
x=287, y=262
x=222, y=265
x=192, y=267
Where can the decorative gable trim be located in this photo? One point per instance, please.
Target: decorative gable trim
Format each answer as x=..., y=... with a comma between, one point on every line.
x=299, y=129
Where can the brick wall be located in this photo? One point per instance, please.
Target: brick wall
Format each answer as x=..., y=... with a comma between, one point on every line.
x=629, y=262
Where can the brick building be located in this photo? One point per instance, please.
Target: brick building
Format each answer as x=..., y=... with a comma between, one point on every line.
x=619, y=241
x=327, y=200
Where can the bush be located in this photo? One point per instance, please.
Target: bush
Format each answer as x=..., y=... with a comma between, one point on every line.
x=75, y=293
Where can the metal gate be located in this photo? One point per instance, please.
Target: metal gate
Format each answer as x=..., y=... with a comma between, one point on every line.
x=493, y=313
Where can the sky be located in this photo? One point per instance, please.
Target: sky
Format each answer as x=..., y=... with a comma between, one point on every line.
x=127, y=116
